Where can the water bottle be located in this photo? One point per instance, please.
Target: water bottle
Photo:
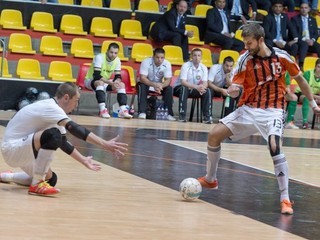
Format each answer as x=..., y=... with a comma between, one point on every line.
x=165, y=115
x=227, y=102
x=162, y=114
x=158, y=114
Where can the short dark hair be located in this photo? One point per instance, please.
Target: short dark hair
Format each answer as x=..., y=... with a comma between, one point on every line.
x=113, y=45
x=274, y=2
x=67, y=88
x=253, y=30
x=228, y=59
x=158, y=50
x=317, y=62
x=196, y=50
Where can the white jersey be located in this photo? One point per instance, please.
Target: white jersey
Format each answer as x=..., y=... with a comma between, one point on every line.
x=217, y=76
x=155, y=73
x=192, y=74
x=35, y=117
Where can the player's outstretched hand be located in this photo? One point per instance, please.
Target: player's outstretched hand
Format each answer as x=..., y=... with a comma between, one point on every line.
x=91, y=165
x=115, y=147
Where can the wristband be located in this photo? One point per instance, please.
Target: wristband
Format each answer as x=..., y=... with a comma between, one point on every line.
x=313, y=104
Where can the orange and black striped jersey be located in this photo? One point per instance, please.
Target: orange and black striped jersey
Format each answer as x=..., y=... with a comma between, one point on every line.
x=263, y=78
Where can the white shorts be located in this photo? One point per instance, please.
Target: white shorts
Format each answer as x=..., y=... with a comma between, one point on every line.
x=19, y=153
x=245, y=121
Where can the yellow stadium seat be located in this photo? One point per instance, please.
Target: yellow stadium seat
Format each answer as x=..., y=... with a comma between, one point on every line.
x=196, y=36
x=102, y=27
x=52, y=45
x=174, y=54
x=238, y=35
x=60, y=71
x=201, y=10
x=318, y=20
x=82, y=48
x=176, y=72
x=20, y=43
x=11, y=19
x=150, y=27
x=121, y=55
x=131, y=75
x=29, y=69
x=42, y=22
x=131, y=29
x=309, y=63
x=206, y=57
x=169, y=6
x=72, y=24
x=141, y=51
x=225, y=53
x=92, y=3
x=148, y=6
x=66, y=2
x=121, y=4
x=5, y=69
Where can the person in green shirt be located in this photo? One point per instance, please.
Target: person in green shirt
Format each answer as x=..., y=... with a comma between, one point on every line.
x=313, y=78
x=291, y=99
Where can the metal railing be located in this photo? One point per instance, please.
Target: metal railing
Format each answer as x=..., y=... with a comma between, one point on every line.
x=3, y=54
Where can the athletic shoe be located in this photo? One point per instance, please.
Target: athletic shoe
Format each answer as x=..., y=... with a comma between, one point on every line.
x=291, y=125
x=182, y=119
x=286, y=207
x=43, y=188
x=4, y=181
x=204, y=183
x=124, y=114
x=208, y=120
x=171, y=118
x=142, y=116
x=104, y=113
x=305, y=126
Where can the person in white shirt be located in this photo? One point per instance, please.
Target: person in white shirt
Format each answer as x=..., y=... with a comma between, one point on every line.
x=219, y=79
x=37, y=130
x=155, y=76
x=193, y=82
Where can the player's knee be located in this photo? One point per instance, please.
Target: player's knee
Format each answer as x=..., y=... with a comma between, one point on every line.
x=53, y=180
x=274, y=145
x=51, y=139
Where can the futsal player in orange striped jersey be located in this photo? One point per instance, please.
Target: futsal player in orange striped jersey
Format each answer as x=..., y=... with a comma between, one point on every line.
x=260, y=72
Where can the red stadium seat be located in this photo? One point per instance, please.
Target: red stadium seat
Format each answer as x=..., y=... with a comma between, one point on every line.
x=84, y=67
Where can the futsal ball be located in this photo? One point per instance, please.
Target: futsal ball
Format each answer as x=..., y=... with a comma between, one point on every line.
x=31, y=94
x=43, y=95
x=23, y=102
x=190, y=189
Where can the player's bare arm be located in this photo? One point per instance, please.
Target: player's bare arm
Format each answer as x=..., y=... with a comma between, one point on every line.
x=305, y=88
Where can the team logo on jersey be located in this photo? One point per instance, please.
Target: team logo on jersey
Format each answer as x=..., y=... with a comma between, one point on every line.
x=159, y=74
x=25, y=138
x=198, y=77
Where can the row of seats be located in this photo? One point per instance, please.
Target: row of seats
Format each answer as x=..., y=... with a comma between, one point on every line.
x=28, y=68
x=83, y=48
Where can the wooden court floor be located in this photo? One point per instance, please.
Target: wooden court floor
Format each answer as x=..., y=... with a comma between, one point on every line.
x=137, y=197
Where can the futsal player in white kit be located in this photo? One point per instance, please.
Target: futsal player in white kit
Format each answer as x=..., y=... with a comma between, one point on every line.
x=37, y=131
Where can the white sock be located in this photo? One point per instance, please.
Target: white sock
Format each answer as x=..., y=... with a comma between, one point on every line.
x=102, y=106
x=18, y=177
x=42, y=164
x=213, y=157
x=282, y=174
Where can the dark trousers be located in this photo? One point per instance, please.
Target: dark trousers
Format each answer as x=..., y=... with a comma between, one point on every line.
x=184, y=93
x=225, y=42
x=304, y=48
x=292, y=50
x=143, y=91
x=177, y=39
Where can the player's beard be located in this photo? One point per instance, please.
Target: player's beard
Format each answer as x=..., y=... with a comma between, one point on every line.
x=255, y=51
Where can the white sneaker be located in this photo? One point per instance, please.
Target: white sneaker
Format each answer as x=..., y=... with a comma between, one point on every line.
x=142, y=116
x=124, y=114
x=171, y=118
x=104, y=113
x=290, y=125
